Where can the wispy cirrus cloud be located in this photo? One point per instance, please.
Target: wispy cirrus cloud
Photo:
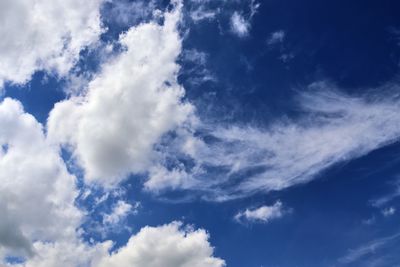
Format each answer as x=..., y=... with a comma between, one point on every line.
x=36, y=191
x=388, y=211
x=236, y=161
x=373, y=247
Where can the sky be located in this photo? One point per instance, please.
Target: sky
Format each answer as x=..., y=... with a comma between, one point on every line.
x=199, y=133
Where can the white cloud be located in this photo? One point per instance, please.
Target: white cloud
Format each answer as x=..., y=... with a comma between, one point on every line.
x=201, y=13
x=276, y=37
x=66, y=254
x=261, y=214
x=239, y=25
x=379, y=202
x=165, y=246
x=388, y=211
x=129, y=106
x=334, y=127
x=196, y=71
x=357, y=254
x=36, y=192
x=120, y=211
x=44, y=35
x=170, y=245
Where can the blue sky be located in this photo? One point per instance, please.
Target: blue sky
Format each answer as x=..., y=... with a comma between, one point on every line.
x=200, y=133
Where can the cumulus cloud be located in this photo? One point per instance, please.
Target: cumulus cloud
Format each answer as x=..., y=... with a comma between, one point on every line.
x=129, y=106
x=241, y=24
x=119, y=212
x=40, y=220
x=379, y=202
x=165, y=246
x=360, y=253
x=262, y=214
x=36, y=192
x=170, y=245
x=237, y=161
x=201, y=14
x=45, y=35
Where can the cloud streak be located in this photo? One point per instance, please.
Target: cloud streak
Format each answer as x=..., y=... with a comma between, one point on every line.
x=237, y=161
x=358, y=254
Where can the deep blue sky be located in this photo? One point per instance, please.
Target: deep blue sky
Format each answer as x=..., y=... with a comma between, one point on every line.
x=352, y=44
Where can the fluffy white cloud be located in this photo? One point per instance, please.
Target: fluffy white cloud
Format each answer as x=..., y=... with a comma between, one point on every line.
x=119, y=212
x=379, y=202
x=44, y=35
x=129, y=106
x=239, y=161
x=36, y=192
x=66, y=254
x=261, y=214
x=165, y=246
x=169, y=245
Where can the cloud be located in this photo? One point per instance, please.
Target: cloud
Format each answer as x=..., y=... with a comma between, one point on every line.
x=276, y=38
x=45, y=35
x=388, y=211
x=355, y=255
x=237, y=161
x=200, y=10
x=39, y=219
x=239, y=25
x=129, y=106
x=36, y=192
x=379, y=202
x=262, y=214
x=120, y=211
x=165, y=246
